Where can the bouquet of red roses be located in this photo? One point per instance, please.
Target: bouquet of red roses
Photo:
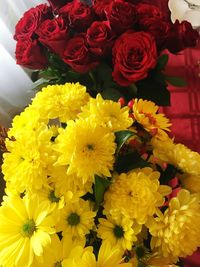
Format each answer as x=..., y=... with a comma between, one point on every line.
x=114, y=47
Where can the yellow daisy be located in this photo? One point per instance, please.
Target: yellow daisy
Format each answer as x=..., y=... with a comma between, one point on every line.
x=61, y=101
x=107, y=113
x=58, y=251
x=77, y=219
x=176, y=233
x=87, y=148
x=26, y=163
x=56, y=201
x=119, y=232
x=146, y=113
x=26, y=227
x=178, y=155
x=108, y=257
x=137, y=194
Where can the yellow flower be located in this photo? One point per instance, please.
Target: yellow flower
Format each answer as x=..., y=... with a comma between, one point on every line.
x=156, y=260
x=107, y=113
x=28, y=120
x=119, y=232
x=56, y=201
x=58, y=251
x=25, y=165
x=61, y=101
x=65, y=183
x=137, y=194
x=190, y=182
x=87, y=148
x=77, y=219
x=178, y=155
x=108, y=257
x=26, y=227
x=146, y=114
x=176, y=233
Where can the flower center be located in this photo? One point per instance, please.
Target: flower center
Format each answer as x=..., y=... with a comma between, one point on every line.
x=73, y=219
x=90, y=146
x=28, y=228
x=118, y=231
x=58, y=264
x=52, y=197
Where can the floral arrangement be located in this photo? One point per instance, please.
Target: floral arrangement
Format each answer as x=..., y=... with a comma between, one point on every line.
x=92, y=182
x=113, y=47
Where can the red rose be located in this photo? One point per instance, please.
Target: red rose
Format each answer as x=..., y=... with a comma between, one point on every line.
x=121, y=15
x=78, y=56
x=134, y=54
x=78, y=14
x=54, y=34
x=181, y=35
x=64, y=11
x=56, y=4
x=30, y=21
x=100, y=38
x=99, y=7
x=30, y=54
x=158, y=28
x=148, y=11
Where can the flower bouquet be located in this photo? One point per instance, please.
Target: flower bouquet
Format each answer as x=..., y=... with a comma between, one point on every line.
x=113, y=47
x=92, y=182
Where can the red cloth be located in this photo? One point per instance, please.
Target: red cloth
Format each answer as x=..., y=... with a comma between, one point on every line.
x=184, y=111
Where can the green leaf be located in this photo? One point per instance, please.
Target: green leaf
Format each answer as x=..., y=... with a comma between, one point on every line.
x=132, y=90
x=176, y=81
x=111, y=94
x=37, y=85
x=140, y=252
x=130, y=161
x=72, y=76
x=162, y=62
x=100, y=186
x=121, y=137
x=142, y=264
x=103, y=73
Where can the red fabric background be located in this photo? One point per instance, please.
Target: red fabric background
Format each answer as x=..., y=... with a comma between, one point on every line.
x=184, y=111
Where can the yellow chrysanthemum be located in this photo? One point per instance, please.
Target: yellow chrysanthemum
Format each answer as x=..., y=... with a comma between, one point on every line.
x=77, y=219
x=190, y=182
x=156, y=260
x=146, y=114
x=61, y=101
x=26, y=227
x=107, y=113
x=64, y=183
x=87, y=148
x=176, y=232
x=119, y=232
x=28, y=120
x=108, y=257
x=137, y=194
x=25, y=165
x=178, y=155
x=58, y=251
